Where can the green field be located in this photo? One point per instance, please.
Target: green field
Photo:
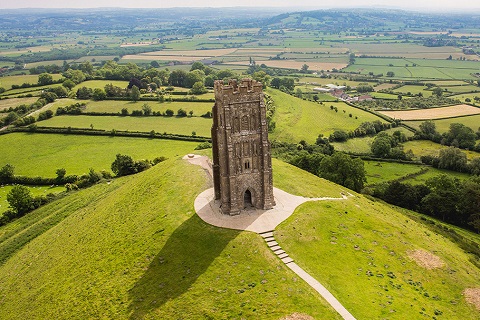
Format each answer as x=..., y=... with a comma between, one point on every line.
x=7, y=82
x=432, y=172
x=443, y=125
x=414, y=90
x=175, y=125
x=92, y=84
x=426, y=147
x=298, y=119
x=362, y=145
x=135, y=249
x=379, y=171
x=359, y=249
x=36, y=191
x=111, y=106
x=15, y=102
x=49, y=152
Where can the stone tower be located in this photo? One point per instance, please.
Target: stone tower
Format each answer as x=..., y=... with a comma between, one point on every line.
x=242, y=164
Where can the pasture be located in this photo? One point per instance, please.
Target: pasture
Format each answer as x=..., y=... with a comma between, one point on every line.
x=49, y=152
x=433, y=172
x=298, y=119
x=7, y=82
x=15, y=102
x=113, y=106
x=426, y=147
x=93, y=84
x=414, y=90
x=185, y=125
x=433, y=113
x=443, y=125
x=380, y=171
x=35, y=190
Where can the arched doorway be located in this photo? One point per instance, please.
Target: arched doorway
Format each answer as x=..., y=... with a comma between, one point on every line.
x=247, y=199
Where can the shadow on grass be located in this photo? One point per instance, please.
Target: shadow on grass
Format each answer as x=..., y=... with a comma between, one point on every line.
x=186, y=255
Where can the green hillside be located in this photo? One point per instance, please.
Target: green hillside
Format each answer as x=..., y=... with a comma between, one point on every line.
x=134, y=248
x=297, y=119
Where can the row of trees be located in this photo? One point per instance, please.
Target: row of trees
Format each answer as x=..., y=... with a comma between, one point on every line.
x=364, y=129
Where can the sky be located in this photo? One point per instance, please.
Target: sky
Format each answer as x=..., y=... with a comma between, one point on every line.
x=433, y=5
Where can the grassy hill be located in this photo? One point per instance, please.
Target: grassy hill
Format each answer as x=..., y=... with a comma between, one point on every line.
x=297, y=119
x=134, y=248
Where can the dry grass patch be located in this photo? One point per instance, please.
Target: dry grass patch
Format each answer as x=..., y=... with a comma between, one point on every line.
x=433, y=113
x=426, y=259
x=472, y=295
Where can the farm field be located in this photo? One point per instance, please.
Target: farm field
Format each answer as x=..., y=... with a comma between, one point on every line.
x=380, y=171
x=433, y=113
x=49, y=152
x=174, y=125
x=294, y=64
x=315, y=81
x=443, y=125
x=7, y=82
x=35, y=190
x=461, y=89
x=381, y=95
x=298, y=119
x=374, y=244
x=112, y=106
x=414, y=90
x=464, y=96
x=362, y=145
x=136, y=249
x=426, y=147
x=92, y=84
x=432, y=172
x=15, y=102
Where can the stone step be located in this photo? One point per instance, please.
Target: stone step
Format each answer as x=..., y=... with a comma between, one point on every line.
x=272, y=244
x=287, y=260
x=282, y=255
x=275, y=248
x=266, y=234
x=279, y=251
x=269, y=239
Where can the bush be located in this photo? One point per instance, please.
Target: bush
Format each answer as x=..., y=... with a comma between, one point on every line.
x=203, y=145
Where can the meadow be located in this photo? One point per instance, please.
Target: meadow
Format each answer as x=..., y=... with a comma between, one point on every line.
x=15, y=102
x=49, y=152
x=185, y=125
x=426, y=147
x=35, y=190
x=7, y=82
x=380, y=171
x=298, y=119
x=113, y=106
x=93, y=84
x=443, y=125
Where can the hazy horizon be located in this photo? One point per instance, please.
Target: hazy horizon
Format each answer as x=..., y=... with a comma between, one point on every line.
x=429, y=5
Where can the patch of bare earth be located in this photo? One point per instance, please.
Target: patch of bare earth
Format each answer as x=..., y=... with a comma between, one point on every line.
x=426, y=259
x=297, y=316
x=472, y=295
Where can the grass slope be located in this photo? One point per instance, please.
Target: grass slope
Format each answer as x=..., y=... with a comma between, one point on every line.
x=135, y=249
x=298, y=119
x=77, y=154
x=359, y=250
